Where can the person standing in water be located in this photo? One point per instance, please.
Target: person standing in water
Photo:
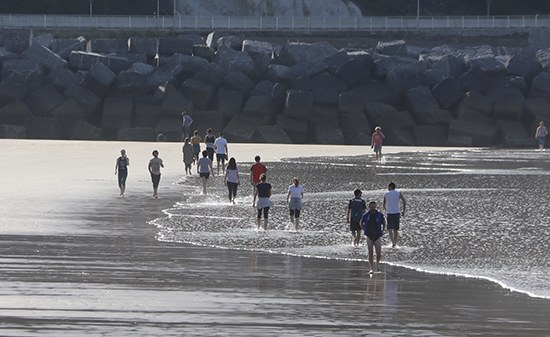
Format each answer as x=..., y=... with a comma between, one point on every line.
x=540, y=135
x=196, y=144
x=231, y=179
x=376, y=142
x=121, y=167
x=255, y=172
x=294, y=200
x=209, y=140
x=393, y=211
x=205, y=168
x=374, y=224
x=188, y=155
x=354, y=213
x=220, y=146
x=263, y=194
x=154, y=169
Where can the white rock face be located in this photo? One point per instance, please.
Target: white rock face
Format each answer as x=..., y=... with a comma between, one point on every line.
x=268, y=7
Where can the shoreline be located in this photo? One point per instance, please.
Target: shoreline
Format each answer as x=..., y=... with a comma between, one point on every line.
x=99, y=268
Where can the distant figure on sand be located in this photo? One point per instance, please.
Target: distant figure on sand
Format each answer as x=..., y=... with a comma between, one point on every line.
x=205, y=168
x=188, y=155
x=541, y=134
x=121, y=167
x=354, y=213
x=263, y=193
x=294, y=200
x=231, y=179
x=220, y=146
x=374, y=224
x=393, y=211
x=376, y=142
x=196, y=143
x=209, y=140
x=186, y=121
x=255, y=172
x=154, y=168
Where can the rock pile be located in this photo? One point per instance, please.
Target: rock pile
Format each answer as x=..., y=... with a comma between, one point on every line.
x=255, y=91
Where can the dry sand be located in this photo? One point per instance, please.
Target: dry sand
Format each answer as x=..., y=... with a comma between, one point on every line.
x=78, y=260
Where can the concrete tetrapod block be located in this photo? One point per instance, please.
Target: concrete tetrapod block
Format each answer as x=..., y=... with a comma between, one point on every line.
x=264, y=87
x=334, y=62
x=231, y=60
x=350, y=102
x=211, y=73
x=173, y=103
x=473, y=100
x=327, y=134
x=357, y=70
x=475, y=80
x=108, y=46
x=198, y=92
x=68, y=113
x=272, y=134
x=297, y=52
x=524, y=65
x=234, y=42
x=130, y=84
x=85, y=131
x=481, y=135
x=259, y=106
x=137, y=134
x=298, y=104
x=540, y=87
x=402, y=78
x=208, y=119
x=45, y=57
x=326, y=97
x=238, y=132
x=430, y=135
x=64, y=47
x=447, y=92
x=512, y=134
x=279, y=73
x=85, y=61
x=43, y=128
x=99, y=79
x=508, y=103
x=356, y=128
x=12, y=131
x=143, y=45
x=204, y=52
x=147, y=114
x=62, y=78
x=374, y=91
x=27, y=72
x=396, y=47
x=117, y=115
x=86, y=98
x=385, y=115
x=238, y=81
x=15, y=113
x=419, y=100
x=12, y=91
x=449, y=66
x=296, y=129
x=43, y=100
x=229, y=102
x=383, y=64
x=169, y=129
x=173, y=45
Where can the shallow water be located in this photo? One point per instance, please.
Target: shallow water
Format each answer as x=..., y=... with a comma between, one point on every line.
x=478, y=213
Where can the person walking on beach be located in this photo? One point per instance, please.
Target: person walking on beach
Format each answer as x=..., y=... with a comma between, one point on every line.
x=188, y=155
x=393, y=211
x=540, y=135
x=294, y=200
x=374, y=224
x=121, y=167
x=196, y=143
x=231, y=179
x=154, y=169
x=354, y=213
x=255, y=172
x=186, y=123
x=205, y=168
x=209, y=140
x=376, y=142
x=263, y=194
x=220, y=146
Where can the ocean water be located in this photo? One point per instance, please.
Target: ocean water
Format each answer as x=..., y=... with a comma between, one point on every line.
x=476, y=213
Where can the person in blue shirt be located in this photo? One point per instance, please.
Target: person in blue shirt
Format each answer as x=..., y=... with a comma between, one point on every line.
x=186, y=123
x=374, y=225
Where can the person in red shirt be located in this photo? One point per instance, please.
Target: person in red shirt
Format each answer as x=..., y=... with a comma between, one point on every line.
x=256, y=171
x=376, y=142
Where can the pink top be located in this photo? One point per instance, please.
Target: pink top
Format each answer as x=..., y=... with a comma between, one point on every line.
x=377, y=138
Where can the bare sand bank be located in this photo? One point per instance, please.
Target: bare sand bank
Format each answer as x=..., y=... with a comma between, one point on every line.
x=78, y=260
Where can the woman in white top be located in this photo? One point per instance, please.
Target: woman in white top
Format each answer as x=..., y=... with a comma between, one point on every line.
x=231, y=179
x=294, y=200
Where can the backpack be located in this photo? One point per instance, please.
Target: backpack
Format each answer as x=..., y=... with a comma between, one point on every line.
x=356, y=207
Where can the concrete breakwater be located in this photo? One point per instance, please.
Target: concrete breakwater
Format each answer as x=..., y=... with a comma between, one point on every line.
x=259, y=91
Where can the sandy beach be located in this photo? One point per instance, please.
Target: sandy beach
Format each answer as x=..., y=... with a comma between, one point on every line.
x=78, y=260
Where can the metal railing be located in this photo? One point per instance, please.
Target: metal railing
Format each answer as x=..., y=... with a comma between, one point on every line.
x=272, y=23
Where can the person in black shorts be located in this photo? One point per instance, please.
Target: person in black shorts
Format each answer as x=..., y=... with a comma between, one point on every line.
x=121, y=168
x=263, y=193
x=374, y=225
x=354, y=213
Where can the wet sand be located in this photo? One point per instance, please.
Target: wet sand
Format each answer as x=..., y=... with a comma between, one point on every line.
x=78, y=260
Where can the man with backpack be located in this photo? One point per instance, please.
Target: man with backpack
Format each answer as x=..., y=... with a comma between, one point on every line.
x=354, y=214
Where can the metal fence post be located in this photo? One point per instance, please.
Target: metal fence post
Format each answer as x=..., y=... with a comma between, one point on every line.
x=261, y=23
x=493, y=22
x=277, y=23
x=355, y=22
x=386, y=23
x=292, y=23
x=508, y=22
x=370, y=23
x=462, y=22
x=228, y=22
x=44, y=20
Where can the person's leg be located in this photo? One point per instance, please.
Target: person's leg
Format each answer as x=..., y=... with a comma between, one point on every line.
x=378, y=246
x=391, y=232
x=204, y=181
x=266, y=212
x=296, y=219
x=259, y=218
x=236, y=186
x=291, y=216
x=123, y=185
x=230, y=190
x=370, y=246
x=357, y=238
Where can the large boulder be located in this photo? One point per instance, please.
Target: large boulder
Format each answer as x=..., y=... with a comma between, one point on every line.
x=211, y=73
x=147, y=114
x=449, y=66
x=86, y=98
x=143, y=45
x=117, y=115
x=279, y=73
x=402, y=78
x=297, y=52
x=27, y=72
x=141, y=68
x=45, y=40
x=264, y=87
x=231, y=60
x=488, y=64
x=68, y=113
x=208, y=119
x=174, y=103
x=259, y=106
x=398, y=136
x=522, y=64
x=334, y=62
x=328, y=134
x=536, y=110
x=356, y=128
x=15, y=113
x=474, y=101
x=62, y=78
x=86, y=61
x=475, y=80
x=85, y=131
x=508, y=103
x=43, y=128
x=326, y=97
x=512, y=134
x=430, y=135
x=543, y=58
x=471, y=134
x=474, y=116
x=229, y=102
x=296, y=129
x=130, y=84
x=420, y=101
x=204, y=52
x=43, y=100
x=99, y=79
x=272, y=134
x=169, y=129
x=397, y=47
x=12, y=91
x=385, y=115
x=64, y=47
x=356, y=70
x=198, y=92
x=324, y=115
x=374, y=91
x=239, y=132
x=137, y=134
x=238, y=81
x=45, y=57
x=12, y=131
x=108, y=46
x=448, y=92
x=179, y=67
x=170, y=45
x=351, y=103
x=234, y=42
x=298, y=104
x=540, y=87
x=383, y=64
